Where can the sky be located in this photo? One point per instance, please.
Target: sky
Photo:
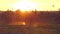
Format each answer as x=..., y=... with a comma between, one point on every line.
x=41, y=4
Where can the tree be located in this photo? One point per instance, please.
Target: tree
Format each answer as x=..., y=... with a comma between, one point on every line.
x=7, y=17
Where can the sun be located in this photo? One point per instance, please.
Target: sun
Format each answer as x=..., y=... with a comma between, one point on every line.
x=25, y=6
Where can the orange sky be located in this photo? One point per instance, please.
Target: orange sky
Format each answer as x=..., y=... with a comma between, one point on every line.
x=41, y=4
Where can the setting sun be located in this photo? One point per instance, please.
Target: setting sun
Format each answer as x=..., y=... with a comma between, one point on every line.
x=25, y=6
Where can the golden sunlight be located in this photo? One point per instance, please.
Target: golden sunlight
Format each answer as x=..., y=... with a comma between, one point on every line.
x=25, y=6
x=30, y=5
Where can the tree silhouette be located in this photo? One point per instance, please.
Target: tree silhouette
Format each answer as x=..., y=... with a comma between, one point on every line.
x=7, y=17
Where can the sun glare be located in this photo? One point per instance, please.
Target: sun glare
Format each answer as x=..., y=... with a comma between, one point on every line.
x=25, y=6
